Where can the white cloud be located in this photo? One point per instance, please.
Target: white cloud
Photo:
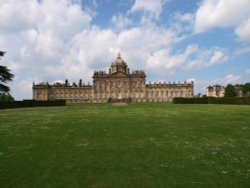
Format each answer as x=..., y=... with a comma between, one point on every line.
x=37, y=38
x=218, y=56
x=120, y=21
x=207, y=57
x=14, y=17
x=228, y=79
x=231, y=78
x=186, y=17
x=221, y=13
x=151, y=7
x=182, y=23
x=243, y=31
x=55, y=40
x=60, y=42
x=192, y=58
x=164, y=58
x=21, y=88
x=200, y=85
x=242, y=51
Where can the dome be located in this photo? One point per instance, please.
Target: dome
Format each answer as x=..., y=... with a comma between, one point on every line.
x=119, y=64
x=119, y=61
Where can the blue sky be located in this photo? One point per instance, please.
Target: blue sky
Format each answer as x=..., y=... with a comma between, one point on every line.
x=205, y=41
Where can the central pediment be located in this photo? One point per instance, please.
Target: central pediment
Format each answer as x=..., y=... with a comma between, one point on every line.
x=118, y=74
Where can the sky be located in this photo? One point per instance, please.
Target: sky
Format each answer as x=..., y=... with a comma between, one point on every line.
x=205, y=41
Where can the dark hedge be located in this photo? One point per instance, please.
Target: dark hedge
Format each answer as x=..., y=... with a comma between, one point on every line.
x=212, y=100
x=180, y=100
x=31, y=103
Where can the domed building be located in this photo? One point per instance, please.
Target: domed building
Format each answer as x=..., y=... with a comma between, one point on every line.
x=119, y=65
x=119, y=84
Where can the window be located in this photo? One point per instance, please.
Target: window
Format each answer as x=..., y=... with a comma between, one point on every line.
x=119, y=83
x=127, y=84
x=176, y=93
x=97, y=84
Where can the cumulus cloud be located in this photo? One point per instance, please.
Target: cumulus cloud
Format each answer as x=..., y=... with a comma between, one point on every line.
x=221, y=13
x=37, y=37
x=164, y=58
x=232, y=78
x=243, y=31
x=192, y=58
x=200, y=85
x=152, y=8
x=57, y=40
x=182, y=22
x=120, y=21
x=207, y=57
x=165, y=62
x=229, y=79
x=22, y=88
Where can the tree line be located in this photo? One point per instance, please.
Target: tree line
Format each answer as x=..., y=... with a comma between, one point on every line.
x=5, y=76
x=234, y=90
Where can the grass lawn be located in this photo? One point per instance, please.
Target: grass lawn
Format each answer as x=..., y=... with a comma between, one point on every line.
x=139, y=145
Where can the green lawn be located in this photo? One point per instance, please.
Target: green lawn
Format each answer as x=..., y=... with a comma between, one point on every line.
x=139, y=145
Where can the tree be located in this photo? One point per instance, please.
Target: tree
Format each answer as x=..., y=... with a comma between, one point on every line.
x=5, y=76
x=6, y=97
x=199, y=95
x=230, y=91
x=2, y=53
x=246, y=89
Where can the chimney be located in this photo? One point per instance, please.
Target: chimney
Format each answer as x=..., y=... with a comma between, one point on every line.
x=80, y=83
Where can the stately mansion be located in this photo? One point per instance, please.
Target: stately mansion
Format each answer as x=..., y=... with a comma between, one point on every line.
x=119, y=84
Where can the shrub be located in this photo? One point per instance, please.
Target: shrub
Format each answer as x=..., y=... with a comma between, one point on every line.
x=31, y=103
x=229, y=100
x=212, y=100
x=180, y=100
x=6, y=97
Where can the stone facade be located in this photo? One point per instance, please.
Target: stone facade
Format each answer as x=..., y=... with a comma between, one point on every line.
x=215, y=91
x=239, y=90
x=116, y=85
x=219, y=91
